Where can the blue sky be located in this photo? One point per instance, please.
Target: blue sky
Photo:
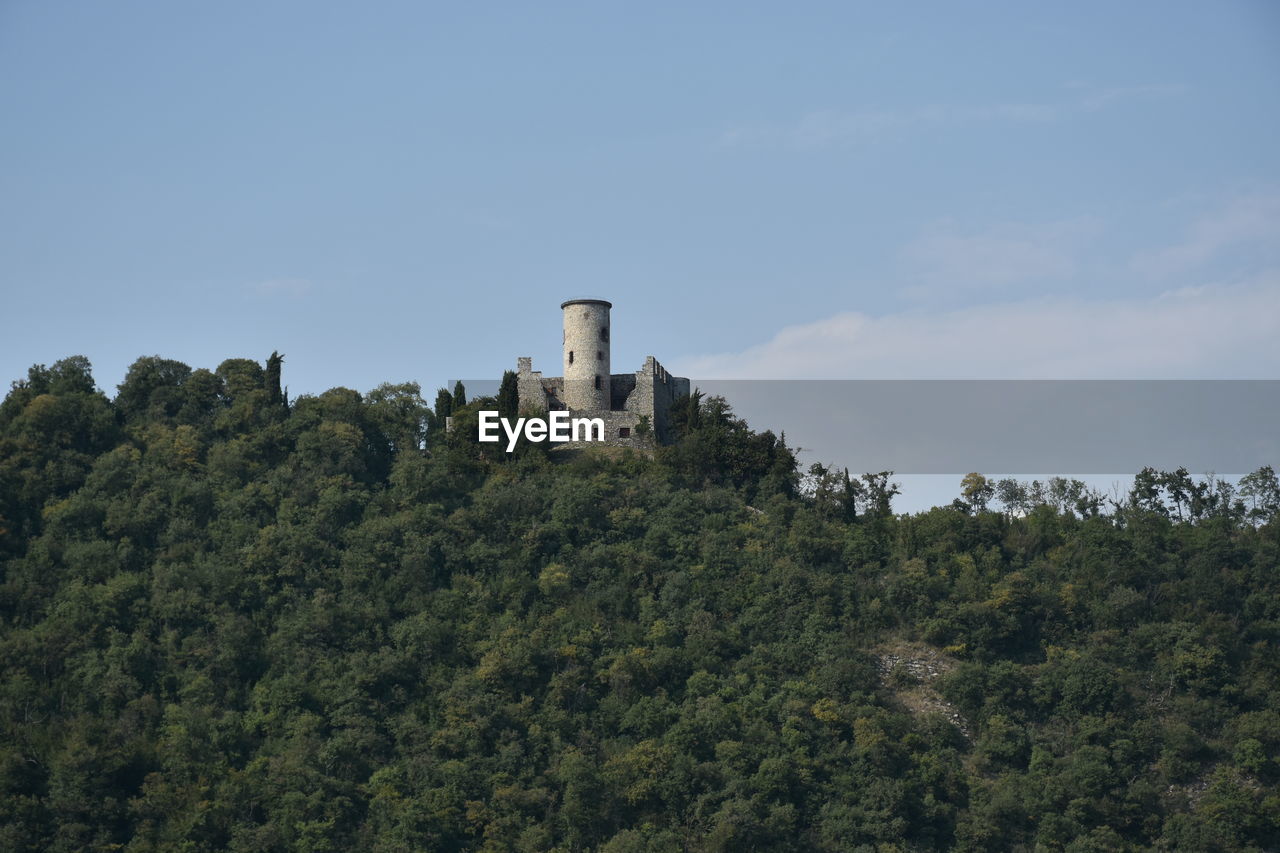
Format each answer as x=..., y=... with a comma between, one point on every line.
x=406, y=191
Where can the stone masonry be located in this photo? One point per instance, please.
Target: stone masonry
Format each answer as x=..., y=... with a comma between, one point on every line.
x=624, y=401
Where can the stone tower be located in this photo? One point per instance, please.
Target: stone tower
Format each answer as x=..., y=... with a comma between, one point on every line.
x=586, y=354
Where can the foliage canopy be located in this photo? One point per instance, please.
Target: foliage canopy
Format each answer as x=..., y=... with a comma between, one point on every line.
x=229, y=620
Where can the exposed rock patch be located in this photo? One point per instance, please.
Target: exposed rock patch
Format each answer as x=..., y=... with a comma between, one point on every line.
x=910, y=671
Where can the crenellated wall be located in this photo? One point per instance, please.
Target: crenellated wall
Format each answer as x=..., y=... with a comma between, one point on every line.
x=655, y=391
x=620, y=399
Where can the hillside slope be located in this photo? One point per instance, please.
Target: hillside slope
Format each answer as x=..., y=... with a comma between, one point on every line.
x=235, y=622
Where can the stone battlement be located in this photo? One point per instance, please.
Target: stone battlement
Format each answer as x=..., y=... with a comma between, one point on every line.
x=636, y=407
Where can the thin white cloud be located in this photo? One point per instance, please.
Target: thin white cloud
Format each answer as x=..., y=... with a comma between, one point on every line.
x=824, y=128
x=946, y=259
x=1244, y=221
x=1222, y=331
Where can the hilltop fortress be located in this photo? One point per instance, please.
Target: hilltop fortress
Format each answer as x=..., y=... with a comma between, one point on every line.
x=635, y=407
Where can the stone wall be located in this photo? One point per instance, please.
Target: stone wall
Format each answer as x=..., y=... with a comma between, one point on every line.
x=620, y=400
x=529, y=384
x=621, y=385
x=655, y=391
x=614, y=423
x=586, y=354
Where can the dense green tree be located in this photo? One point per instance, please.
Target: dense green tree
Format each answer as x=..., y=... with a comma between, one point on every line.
x=444, y=405
x=400, y=413
x=152, y=387
x=508, y=396
x=271, y=379
x=241, y=376
x=1261, y=490
x=230, y=625
x=977, y=491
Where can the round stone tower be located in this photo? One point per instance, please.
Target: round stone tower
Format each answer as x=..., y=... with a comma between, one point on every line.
x=586, y=353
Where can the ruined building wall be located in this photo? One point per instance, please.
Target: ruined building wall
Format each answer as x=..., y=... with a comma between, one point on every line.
x=655, y=391
x=529, y=384
x=587, y=389
x=621, y=386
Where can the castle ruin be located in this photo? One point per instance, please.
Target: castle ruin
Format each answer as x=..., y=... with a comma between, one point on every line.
x=635, y=407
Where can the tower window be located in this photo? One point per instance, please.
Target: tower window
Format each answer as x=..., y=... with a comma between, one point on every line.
x=571, y=356
x=624, y=432
x=597, y=382
x=599, y=355
x=604, y=333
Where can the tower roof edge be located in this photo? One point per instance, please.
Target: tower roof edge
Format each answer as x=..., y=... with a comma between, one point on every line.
x=568, y=302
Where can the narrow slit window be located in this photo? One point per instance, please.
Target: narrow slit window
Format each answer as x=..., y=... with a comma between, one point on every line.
x=604, y=333
x=571, y=356
x=597, y=382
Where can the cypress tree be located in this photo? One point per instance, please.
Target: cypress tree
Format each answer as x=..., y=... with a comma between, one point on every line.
x=508, y=396
x=459, y=396
x=271, y=381
x=444, y=405
x=694, y=417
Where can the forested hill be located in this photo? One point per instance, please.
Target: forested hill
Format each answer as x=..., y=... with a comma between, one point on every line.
x=231, y=621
